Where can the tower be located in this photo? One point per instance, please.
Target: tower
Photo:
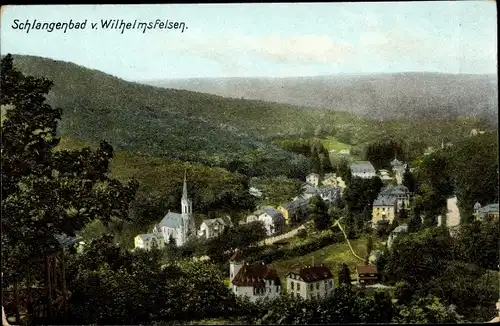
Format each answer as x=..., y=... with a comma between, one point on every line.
x=187, y=210
x=235, y=264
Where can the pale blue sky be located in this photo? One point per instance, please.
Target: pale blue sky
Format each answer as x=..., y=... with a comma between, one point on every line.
x=224, y=40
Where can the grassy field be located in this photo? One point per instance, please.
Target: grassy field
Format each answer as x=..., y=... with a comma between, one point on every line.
x=331, y=143
x=333, y=256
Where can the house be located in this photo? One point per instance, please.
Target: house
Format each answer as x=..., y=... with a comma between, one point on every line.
x=329, y=194
x=384, y=175
x=179, y=226
x=253, y=281
x=310, y=282
x=490, y=211
x=389, y=202
x=362, y=169
x=255, y=192
x=402, y=229
x=330, y=179
x=308, y=191
x=297, y=207
x=384, y=208
x=148, y=241
x=366, y=275
x=313, y=179
x=212, y=228
x=252, y=218
x=273, y=221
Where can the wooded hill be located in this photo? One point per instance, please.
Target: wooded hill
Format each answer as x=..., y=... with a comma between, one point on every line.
x=380, y=96
x=231, y=133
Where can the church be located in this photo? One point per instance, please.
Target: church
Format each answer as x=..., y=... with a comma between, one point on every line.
x=178, y=226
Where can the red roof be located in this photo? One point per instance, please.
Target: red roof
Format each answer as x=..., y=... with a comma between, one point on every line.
x=255, y=275
x=237, y=256
x=366, y=269
x=314, y=273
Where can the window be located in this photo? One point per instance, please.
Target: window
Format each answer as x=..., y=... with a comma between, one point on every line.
x=317, y=286
x=298, y=286
x=311, y=288
x=291, y=285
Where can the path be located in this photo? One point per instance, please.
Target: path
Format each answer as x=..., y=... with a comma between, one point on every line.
x=337, y=223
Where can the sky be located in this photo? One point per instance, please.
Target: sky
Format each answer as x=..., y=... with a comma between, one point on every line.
x=254, y=40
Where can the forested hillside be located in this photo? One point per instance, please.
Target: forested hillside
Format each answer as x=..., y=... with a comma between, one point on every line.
x=380, y=96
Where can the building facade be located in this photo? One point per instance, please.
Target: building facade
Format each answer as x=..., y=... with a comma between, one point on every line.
x=313, y=179
x=389, y=202
x=253, y=281
x=311, y=282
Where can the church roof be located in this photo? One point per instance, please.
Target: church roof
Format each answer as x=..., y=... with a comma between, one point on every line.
x=172, y=220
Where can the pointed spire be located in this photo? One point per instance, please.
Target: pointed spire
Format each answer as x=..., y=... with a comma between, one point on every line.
x=184, y=189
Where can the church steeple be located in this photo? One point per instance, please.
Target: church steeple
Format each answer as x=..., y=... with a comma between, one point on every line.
x=184, y=188
x=186, y=204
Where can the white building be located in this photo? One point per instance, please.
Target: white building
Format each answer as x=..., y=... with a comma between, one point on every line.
x=178, y=226
x=400, y=230
x=311, y=282
x=362, y=169
x=212, y=228
x=273, y=220
x=313, y=179
x=253, y=281
x=148, y=241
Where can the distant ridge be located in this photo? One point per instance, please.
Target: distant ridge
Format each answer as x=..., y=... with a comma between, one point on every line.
x=414, y=95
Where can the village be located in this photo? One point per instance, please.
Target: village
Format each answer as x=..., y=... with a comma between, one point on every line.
x=257, y=280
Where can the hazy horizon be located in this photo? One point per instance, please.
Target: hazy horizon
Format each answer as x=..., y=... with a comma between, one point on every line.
x=262, y=39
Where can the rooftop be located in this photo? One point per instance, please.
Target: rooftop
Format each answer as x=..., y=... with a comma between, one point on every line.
x=313, y=273
x=172, y=220
x=366, y=269
x=255, y=275
x=362, y=166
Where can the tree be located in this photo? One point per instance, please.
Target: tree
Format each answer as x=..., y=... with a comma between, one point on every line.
x=478, y=241
x=418, y=257
x=414, y=224
x=424, y=311
x=344, y=275
x=369, y=248
x=474, y=166
x=47, y=191
x=319, y=213
x=409, y=180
